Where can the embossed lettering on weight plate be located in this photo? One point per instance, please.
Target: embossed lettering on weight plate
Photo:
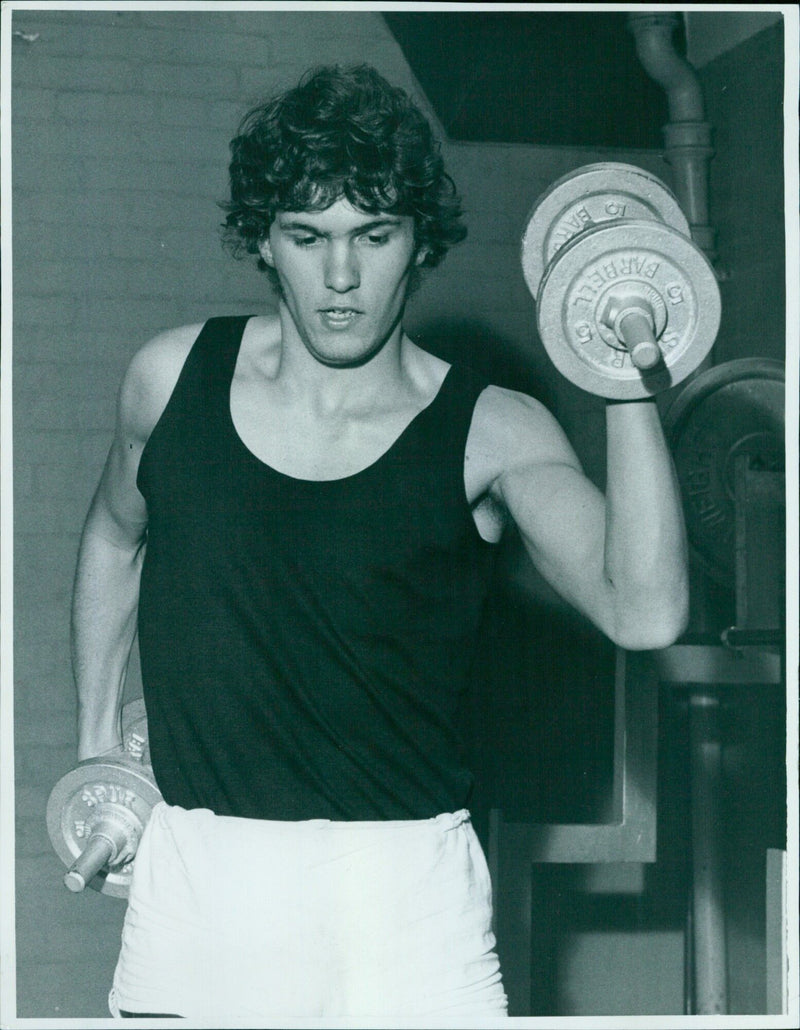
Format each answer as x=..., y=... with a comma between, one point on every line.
x=97, y=793
x=700, y=487
x=569, y=226
x=580, y=218
x=708, y=511
x=135, y=744
x=662, y=287
x=624, y=266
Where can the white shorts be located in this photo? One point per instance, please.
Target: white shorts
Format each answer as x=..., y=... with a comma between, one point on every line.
x=234, y=921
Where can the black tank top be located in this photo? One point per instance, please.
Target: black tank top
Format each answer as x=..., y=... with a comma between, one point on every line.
x=304, y=644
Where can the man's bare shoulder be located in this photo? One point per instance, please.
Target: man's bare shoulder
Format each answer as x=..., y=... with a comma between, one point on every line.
x=151, y=377
x=514, y=446
x=511, y=433
x=510, y=427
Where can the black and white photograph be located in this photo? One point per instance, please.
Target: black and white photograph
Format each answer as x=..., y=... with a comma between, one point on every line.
x=399, y=429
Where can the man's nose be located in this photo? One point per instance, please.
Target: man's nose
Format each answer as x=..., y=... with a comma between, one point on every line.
x=341, y=267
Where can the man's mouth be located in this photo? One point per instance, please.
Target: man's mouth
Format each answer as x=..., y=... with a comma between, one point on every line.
x=339, y=318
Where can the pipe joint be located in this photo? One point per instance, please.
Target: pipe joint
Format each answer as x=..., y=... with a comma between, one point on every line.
x=687, y=137
x=695, y=136
x=654, y=47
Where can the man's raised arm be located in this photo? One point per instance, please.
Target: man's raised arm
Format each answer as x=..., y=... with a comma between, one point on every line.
x=646, y=556
x=620, y=559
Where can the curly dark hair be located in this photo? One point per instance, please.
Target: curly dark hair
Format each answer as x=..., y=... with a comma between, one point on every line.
x=342, y=132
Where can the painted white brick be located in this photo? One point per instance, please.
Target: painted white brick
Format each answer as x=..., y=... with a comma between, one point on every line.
x=42, y=447
x=37, y=309
x=36, y=67
x=192, y=80
x=106, y=108
x=30, y=105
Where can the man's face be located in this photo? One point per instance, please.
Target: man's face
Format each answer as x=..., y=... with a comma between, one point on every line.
x=343, y=276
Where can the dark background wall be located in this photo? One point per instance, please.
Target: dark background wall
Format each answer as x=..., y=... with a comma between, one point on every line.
x=743, y=89
x=120, y=128
x=744, y=102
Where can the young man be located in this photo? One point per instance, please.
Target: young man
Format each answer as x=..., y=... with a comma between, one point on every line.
x=299, y=511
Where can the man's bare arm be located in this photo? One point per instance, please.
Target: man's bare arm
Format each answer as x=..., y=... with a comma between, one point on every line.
x=104, y=605
x=620, y=558
x=646, y=555
x=106, y=592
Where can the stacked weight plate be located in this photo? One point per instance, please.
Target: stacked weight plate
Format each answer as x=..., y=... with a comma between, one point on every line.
x=627, y=305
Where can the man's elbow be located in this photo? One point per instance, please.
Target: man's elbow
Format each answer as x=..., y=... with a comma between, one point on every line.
x=653, y=629
x=108, y=526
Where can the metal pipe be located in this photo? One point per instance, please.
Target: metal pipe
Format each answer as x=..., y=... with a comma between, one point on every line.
x=662, y=63
x=687, y=137
x=710, y=974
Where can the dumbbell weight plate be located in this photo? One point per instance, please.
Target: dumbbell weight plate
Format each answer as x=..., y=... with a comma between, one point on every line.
x=590, y=196
x=134, y=731
x=77, y=794
x=649, y=258
x=134, y=717
x=734, y=409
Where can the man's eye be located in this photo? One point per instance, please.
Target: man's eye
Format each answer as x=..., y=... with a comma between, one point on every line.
x=305, y=241
x=378, y=238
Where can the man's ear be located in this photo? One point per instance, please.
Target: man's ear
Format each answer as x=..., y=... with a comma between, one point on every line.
x=265, y=250
x=419, y=257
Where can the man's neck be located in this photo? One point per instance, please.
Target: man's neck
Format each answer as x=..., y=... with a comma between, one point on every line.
x=331, y=388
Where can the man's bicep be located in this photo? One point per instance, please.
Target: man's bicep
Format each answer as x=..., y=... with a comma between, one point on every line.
x=539, y=480
x=118, y=512
x=559, y=512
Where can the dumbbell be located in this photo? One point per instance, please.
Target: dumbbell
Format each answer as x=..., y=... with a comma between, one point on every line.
x=96, y=813
x=627, y=305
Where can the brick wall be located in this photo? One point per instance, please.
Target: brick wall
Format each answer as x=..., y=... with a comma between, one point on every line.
x=120, y=129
